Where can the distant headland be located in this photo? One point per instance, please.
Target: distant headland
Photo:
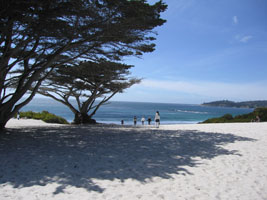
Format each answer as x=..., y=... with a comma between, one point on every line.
x=244, y=104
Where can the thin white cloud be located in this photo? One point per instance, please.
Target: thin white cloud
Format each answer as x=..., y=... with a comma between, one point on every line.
x=182, y=5
x=243, y=39
x=178, y=6
x=211, y=89
x=235, y=20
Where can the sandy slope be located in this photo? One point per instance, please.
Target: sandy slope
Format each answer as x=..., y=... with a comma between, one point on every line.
x=213, y=161
x=24, y=123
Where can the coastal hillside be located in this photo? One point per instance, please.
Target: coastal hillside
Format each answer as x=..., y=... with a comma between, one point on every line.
x=258, y=115
x=244, y=104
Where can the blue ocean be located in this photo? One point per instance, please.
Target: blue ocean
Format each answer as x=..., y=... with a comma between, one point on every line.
x=115, y=111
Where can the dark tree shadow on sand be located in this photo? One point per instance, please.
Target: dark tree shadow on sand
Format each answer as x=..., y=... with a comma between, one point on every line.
x=73, y=156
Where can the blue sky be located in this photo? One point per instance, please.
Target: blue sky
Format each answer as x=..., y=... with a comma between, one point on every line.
x=207, y=50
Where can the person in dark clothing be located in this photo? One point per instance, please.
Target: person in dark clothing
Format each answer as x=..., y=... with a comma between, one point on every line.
x=135, y=120
x=149, y=120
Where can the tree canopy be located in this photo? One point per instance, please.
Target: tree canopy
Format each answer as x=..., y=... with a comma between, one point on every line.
x=37, y=36
x=91, y=84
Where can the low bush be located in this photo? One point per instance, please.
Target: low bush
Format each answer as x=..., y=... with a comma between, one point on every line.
x=45, y=116
x=227, y=117
x=262, y=113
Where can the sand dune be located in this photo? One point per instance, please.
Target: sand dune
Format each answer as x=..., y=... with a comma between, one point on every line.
x=200, y=161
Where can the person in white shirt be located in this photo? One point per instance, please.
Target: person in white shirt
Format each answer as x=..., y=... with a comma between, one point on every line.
x=143, y=120
x=157, y=119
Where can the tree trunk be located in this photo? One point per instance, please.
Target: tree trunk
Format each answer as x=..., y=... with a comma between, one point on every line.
x=9, y=108
x=2, y=126
x=5, y=114
x=3, y=121
x=83, y=118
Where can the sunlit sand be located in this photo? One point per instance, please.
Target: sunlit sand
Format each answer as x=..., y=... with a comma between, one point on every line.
x=198, y=161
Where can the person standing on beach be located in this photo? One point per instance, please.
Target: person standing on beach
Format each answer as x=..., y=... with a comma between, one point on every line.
x=157, y=119
x=149, y=120
x=135, y=120
x=143, y=120
x=18, y=115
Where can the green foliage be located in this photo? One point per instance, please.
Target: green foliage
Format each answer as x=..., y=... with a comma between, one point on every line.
x=260, y=112
x=45, y=116
x=227, y=117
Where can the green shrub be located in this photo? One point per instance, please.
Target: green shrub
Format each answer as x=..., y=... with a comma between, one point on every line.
x=45, y=116
x=227, y=117
x=245, y=118
x=262, y=113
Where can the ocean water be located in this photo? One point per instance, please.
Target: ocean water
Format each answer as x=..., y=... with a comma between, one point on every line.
x=114, y=111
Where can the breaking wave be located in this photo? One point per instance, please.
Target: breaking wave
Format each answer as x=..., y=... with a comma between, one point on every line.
x=190, y=111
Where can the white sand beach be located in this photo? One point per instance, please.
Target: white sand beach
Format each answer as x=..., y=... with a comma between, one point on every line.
x=195, y=161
